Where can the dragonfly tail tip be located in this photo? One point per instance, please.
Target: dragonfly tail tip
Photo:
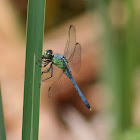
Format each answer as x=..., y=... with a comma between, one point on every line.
x=90, y=108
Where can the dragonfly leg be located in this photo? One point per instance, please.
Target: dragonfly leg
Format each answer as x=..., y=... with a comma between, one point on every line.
x=47, y=70
x=51, y=68
x=39, y=64
x=44, y=64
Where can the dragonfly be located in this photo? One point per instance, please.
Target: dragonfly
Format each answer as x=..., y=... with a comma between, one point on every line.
x=71, y=57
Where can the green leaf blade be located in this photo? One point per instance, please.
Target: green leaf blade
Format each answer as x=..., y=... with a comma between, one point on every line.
x=2, y=127
x=34, y=43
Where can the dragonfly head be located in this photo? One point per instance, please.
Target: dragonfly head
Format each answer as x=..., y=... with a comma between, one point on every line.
x=48, y=54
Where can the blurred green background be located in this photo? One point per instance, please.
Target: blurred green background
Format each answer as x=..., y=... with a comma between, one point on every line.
x=108, y=32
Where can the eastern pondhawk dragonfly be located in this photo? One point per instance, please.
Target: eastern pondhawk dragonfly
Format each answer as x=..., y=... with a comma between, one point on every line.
x=71, y=57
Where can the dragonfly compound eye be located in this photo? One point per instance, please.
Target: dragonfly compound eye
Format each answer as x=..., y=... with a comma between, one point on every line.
x=48, y=54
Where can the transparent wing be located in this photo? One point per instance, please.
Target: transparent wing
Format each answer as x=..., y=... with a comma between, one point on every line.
x=69, y=49
x=73, y=50
x=61, y=85
x=59, y=82
x=75, y=59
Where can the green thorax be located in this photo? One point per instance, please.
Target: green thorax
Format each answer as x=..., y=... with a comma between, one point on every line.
x=60, y=61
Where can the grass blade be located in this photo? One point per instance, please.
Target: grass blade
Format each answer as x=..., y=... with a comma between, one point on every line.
x=120, y=47
x=2, y=127
x=34, y=43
